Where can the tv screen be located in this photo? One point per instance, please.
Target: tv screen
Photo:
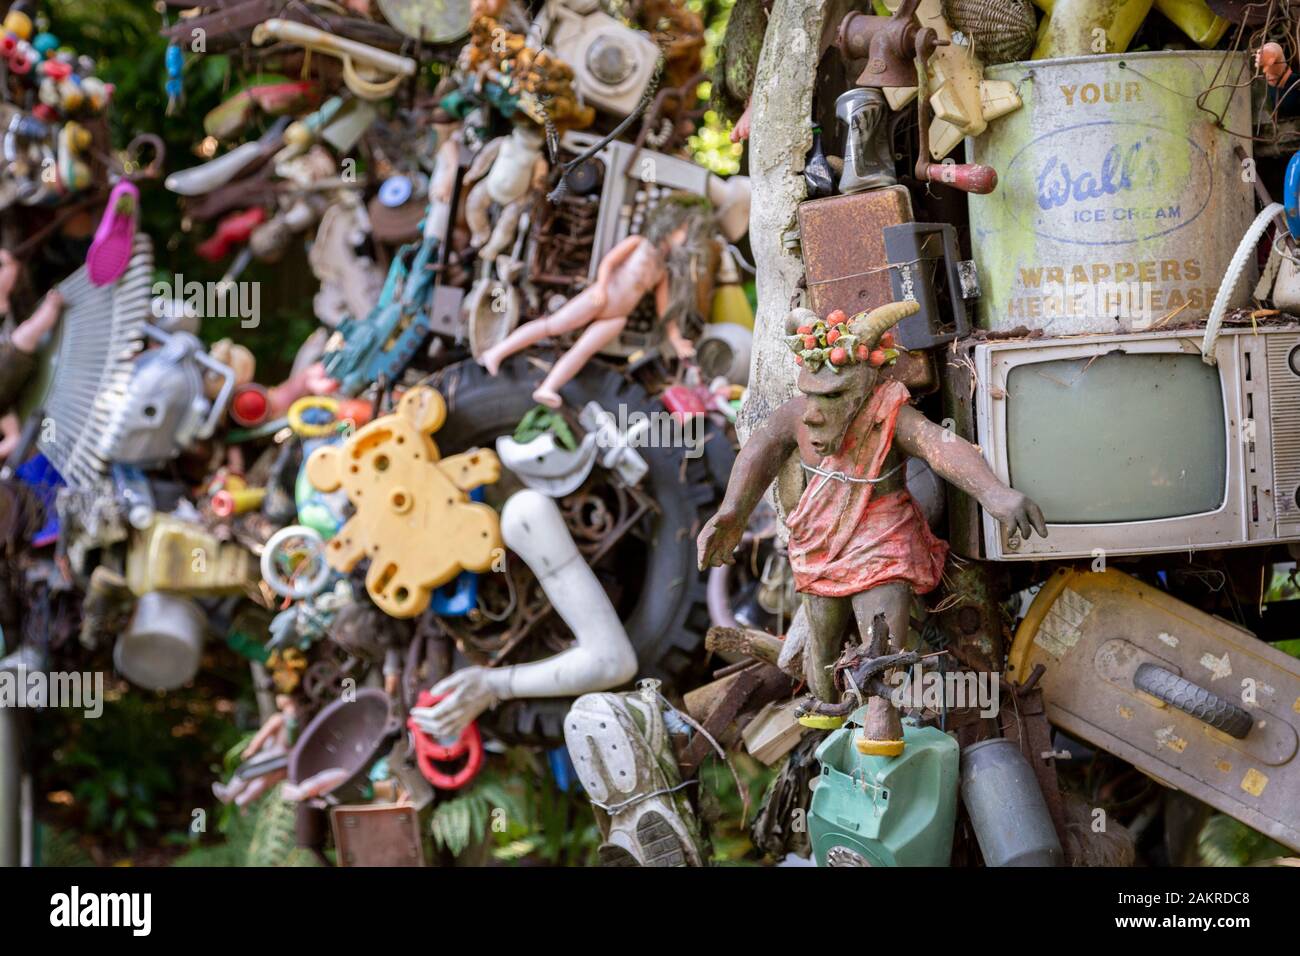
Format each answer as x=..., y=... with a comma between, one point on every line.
x=1117, y=437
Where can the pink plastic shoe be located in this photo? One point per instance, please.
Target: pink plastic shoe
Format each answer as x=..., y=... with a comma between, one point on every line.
x=110, y=250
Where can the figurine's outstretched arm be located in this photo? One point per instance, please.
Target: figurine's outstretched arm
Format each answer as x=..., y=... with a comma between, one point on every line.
x=601, y=657
x=756, y=467
x=958, y=461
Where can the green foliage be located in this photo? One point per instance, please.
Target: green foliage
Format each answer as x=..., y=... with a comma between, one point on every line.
x=460, y=820
x=60, y=847
x=263, y=835
x=138, y=770
x=520, y=811
x=724, y=805
x=1224, y=841
x=711, y=145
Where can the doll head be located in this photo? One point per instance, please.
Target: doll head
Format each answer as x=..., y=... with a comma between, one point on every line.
x=684, y=230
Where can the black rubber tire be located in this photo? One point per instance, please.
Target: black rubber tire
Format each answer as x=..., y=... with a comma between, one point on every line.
x=1204, y=705
x=669, y=621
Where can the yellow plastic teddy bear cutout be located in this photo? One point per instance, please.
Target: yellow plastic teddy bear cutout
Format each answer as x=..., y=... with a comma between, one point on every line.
x=414, y=519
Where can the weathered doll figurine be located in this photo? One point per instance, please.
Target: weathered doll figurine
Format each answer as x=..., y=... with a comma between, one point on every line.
x=859, y=545
x=664, y=258
x=507, y=172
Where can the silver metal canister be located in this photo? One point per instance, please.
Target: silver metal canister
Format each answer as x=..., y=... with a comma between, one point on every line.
x=1006, y=806
x=1120, y=199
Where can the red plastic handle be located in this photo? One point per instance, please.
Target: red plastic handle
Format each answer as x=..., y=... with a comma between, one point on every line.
x=968, y=177
x=231, y=231
x=429, y=753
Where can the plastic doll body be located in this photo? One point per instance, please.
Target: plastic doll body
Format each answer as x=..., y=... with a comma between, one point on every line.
x=631, y=269
x=272, y=739
x=505, y=172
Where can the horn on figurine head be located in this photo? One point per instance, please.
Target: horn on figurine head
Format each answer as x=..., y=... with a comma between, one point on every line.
x=870, y=326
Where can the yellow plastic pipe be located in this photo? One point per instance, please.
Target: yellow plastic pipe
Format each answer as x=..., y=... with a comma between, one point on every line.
x=1194, y=17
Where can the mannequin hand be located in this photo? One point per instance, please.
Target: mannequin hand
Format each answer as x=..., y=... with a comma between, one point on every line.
x=470, y=691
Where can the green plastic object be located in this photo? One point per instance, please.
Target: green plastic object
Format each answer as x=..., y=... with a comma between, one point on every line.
x=885, y=811
x=323, y=512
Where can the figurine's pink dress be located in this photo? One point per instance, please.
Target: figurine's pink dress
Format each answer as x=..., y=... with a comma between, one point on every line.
x=843, y=538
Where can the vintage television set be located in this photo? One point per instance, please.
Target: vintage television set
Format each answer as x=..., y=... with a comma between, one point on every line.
x=1132, y=444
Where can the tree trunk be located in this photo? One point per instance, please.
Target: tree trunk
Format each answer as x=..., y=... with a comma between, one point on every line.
x=782, y=105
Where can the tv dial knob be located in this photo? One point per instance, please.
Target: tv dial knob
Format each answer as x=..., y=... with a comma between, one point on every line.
x=1013, y=541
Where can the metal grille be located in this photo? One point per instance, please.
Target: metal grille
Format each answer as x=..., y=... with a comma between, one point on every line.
x=100, y=333
x=1284, y=409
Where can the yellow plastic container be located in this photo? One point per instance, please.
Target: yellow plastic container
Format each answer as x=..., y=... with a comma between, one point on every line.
x=730, y=304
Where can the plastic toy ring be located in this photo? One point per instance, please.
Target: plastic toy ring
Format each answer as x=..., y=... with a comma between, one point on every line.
x=430, y=752
x=293, y=562
x=298, y=419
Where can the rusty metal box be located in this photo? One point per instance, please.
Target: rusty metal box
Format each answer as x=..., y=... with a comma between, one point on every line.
x=377, y=835
x=843, y=244
x=1188, y=698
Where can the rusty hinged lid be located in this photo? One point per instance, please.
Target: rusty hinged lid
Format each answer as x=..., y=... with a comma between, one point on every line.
x=843, y=243
x=377, y=835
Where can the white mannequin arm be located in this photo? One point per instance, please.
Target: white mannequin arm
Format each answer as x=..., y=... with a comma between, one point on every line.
x=602, y=655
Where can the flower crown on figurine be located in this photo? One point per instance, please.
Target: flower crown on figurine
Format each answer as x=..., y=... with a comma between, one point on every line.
x=838, y=341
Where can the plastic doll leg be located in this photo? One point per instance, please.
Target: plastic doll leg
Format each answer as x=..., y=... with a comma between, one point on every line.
x=598, y=335
x=315, y=785
x=828, y=618
x=894, y=600
x=477, y=205
x=503, y=234
x=574, y=314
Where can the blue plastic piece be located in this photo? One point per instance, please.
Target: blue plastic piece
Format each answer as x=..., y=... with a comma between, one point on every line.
x=562, y=769
x=460, y=596
x=42, y=477
x=366, y=353
x=457, y=598
x=1291, y=196
x=395, y=191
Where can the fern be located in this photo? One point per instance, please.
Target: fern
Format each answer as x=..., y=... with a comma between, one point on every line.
x=461, y=820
